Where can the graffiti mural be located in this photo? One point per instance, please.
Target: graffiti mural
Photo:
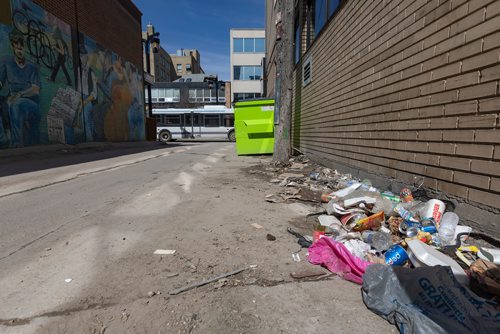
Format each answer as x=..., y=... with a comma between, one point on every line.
x=60, y=86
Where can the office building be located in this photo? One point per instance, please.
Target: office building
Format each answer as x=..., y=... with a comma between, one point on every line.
x=246, y=59
x=187, y=62
x=161, y=65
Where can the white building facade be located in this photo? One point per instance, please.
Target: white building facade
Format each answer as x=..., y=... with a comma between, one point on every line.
x=247, y=54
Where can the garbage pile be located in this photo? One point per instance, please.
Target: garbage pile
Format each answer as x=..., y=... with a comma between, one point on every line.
x=364, y=226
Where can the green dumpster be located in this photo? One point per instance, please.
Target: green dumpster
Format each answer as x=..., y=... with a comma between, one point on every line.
x=254, y=126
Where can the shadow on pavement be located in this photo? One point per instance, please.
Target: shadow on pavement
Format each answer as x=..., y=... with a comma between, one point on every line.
x=31, y=161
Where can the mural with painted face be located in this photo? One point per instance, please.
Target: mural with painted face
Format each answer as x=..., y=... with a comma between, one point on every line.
x=46, y=96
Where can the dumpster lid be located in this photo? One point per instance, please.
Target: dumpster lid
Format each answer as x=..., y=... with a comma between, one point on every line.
x=255, y=102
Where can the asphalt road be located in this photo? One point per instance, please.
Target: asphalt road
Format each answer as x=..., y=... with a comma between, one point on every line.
x=79, y=230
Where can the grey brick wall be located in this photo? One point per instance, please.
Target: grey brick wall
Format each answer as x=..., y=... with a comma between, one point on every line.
x=408, y=88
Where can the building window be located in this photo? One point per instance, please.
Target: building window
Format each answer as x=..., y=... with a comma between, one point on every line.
x=165, y=95
x=297, y=40
x=333, y=5
x=249, y=45
x=238, y=45
x=188, y=67
x=260, y=45
x=320, y=13
x=245, y=96
x=247, y=72
x=179, y=67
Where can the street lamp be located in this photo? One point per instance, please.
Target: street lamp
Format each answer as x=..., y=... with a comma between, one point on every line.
x=215, y=82
x=151, y=39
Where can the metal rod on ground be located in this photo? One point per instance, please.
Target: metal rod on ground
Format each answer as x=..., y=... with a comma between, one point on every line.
x=210, y=280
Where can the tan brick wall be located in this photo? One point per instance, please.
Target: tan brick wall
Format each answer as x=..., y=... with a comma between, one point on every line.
x=115, y=24
x=408, y=88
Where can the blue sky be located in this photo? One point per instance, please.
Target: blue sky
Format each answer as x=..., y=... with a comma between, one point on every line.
x=202, y=25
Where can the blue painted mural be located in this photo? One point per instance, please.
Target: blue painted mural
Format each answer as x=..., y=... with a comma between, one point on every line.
x=57, y=85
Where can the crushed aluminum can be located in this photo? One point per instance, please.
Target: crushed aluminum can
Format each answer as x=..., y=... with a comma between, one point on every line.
x=352, y=218
x=406, y=195
x=314, y=176
x=409, y=228
x=412, y=232
x=396, y=256
x=428, y=225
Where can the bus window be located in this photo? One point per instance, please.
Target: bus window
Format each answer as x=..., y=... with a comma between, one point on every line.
x=196, y=118
x=170, y=120
x=212, y=121
x=228, y=121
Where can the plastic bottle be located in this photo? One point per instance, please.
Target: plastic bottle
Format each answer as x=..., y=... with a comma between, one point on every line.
x=379, y=240
x=446, y=230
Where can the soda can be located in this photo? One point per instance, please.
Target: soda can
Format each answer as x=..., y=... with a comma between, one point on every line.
x=428, y=225
x=352, y=218
x=433, y=209
x=314, y=176
x=406, y=195
x=396, y=256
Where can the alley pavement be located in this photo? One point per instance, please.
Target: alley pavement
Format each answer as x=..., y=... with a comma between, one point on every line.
x=80, y=227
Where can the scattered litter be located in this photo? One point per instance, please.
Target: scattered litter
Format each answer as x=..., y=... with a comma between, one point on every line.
x=308, y=273
x=164, y=252
x=170, y=275
x=301, y=240
x=220, y=283
x=426, y=300
x=337, y=258
x=485, y=278
x=68, y=280
x=272, y=198
x=270, y=237
x=151, y=294
x=207, y=281
x=257, y=226
x=405, y=229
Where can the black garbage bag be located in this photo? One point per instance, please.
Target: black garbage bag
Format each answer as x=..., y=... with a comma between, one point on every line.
x=427, y=300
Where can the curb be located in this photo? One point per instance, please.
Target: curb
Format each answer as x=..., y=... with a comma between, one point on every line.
x=12, y=152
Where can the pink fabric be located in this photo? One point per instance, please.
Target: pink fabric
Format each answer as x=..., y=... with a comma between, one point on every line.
x=337, y=258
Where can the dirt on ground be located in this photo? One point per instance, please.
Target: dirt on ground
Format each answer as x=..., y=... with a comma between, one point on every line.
x=225, y=224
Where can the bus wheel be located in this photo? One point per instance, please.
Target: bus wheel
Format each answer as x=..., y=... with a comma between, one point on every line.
x=231, y=136
x=165, y=136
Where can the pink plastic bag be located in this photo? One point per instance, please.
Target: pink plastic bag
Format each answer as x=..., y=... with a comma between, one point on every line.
x=337, y=258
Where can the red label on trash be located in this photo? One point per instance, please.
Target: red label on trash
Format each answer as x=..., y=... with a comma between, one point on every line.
x=318, y=235
x=436, y=212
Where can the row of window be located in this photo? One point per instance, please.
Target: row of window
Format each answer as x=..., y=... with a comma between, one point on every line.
x=206, y=120
x=179, y=68
x=247, y=72
x=195, y=95
x=249, y=45
x=245, y=96
x=317, y=13
x=205, y=95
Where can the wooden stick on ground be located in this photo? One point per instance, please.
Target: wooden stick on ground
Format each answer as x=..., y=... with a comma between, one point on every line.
x=204, y=282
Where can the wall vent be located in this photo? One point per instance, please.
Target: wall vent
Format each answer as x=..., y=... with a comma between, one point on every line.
x=307, y=71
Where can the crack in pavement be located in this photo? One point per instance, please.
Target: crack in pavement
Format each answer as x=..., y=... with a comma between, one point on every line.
x=24, y=321
x=41, y=237
x=261, y=282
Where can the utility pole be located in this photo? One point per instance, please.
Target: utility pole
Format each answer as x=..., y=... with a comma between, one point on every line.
x=284, y=75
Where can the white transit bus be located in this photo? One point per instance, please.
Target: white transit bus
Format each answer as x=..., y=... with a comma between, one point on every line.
x=209, y=122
